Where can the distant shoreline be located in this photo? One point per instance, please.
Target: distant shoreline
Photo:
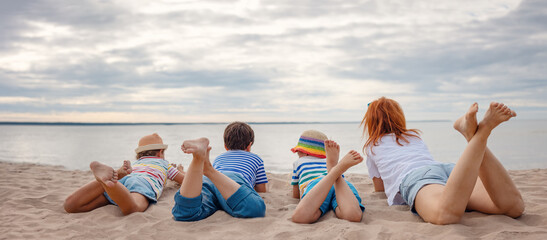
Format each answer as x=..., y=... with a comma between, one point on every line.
x=190, y=123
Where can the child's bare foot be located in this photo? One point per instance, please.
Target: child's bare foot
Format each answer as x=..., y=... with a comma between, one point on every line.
x=351, y=159
x=207, y=166
x=104, y=174
x=332, y=150
x=496, y=114
x=197, y=147
x=467, y=124
x=125, y=169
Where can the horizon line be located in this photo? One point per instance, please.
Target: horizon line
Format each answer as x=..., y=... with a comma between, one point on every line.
x=181, y=123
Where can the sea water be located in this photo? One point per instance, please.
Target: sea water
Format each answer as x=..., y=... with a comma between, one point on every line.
x=518, y=144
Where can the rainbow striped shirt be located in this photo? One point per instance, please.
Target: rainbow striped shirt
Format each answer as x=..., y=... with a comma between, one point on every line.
x=156, y=171
x=307, y=169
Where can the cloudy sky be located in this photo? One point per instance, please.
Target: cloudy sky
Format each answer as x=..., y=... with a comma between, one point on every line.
x=282, y=60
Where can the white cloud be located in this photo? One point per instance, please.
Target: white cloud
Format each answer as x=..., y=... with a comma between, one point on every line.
x=267, y=60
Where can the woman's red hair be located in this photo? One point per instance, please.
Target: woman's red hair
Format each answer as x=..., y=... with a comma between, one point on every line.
x=385, y=116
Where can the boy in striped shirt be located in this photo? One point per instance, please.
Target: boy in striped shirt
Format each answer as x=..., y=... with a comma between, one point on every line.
x=230, y=184
x=138, y=185
x=318, y=181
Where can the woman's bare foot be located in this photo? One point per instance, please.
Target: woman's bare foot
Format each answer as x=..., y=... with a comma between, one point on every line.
x=496, y=114
x=332, y=150
x=351, y=159
x=104, y=174
x=125, y=169
x=467, y=124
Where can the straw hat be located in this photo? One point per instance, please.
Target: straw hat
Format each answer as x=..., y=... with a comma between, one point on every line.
x=150, y=142
x=311, y=142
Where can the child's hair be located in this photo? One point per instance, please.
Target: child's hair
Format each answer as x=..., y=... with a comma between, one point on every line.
x=238, y=136
x=385, y=116
x=147, y=153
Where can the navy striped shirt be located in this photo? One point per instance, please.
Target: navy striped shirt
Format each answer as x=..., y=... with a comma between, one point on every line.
x=249, y=165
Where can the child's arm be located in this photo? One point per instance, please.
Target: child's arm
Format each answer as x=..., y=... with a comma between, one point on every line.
x=378, y=184
x=295, y=191
x=260, y=187
x=180, y=176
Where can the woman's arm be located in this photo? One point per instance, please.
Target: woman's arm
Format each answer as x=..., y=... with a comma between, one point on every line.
x=378, y=184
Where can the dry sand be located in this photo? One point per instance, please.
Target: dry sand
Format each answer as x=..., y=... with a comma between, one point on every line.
x=31, y=198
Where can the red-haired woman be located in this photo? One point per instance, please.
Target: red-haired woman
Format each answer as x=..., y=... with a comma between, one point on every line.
x=400, y=164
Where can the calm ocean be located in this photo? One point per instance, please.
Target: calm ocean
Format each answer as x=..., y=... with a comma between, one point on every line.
x=519, y=144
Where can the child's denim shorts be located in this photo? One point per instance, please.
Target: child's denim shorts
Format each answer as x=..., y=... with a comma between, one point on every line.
x=330, y=201
x=136, y=184
x=436, y=173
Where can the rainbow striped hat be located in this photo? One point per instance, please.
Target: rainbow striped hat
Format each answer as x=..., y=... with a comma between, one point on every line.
x=311, y=142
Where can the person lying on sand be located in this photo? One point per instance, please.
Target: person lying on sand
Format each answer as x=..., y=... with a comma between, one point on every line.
x=132, y=188
x=317, y=177
x=400, y=164
x=230, y=183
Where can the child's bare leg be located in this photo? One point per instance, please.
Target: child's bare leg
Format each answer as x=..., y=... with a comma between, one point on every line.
x=332, y=150
x=307, y=210
x=495, y=191
x=193, y=180
x=90, y=196
x=225, y=185
x=86, y=198
x=446, y=204
x=128, y=202
x=348, y=205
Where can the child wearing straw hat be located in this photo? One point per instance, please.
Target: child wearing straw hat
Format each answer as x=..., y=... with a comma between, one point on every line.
x=318, y=181
x=138, y=185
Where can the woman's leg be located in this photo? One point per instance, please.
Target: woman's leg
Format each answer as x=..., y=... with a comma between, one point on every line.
x=446, y=204
x=494, y=192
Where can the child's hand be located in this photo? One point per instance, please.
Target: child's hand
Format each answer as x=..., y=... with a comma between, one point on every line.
x=178, y=167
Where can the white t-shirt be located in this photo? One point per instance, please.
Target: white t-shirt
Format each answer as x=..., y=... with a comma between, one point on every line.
x=392, y=162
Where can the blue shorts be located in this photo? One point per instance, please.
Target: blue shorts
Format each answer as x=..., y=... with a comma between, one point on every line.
x=330, y=201
x=436, y=173
x=136, y=184
x=244, y=203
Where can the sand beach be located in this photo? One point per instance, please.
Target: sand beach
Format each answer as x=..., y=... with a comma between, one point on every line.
x=32, y=196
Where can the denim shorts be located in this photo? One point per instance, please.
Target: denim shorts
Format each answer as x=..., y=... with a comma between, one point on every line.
x=330, y=201
x=244, y=203
x=436, y=173
x=136, y=184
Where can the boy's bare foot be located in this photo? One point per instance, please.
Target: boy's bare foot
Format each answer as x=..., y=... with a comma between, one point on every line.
x=104, y=174
x=207, y=166
x=332, y=150
x=467, y=124
x=125, y=169
x=351, y=159
x=496, y=114
x=197, y=147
